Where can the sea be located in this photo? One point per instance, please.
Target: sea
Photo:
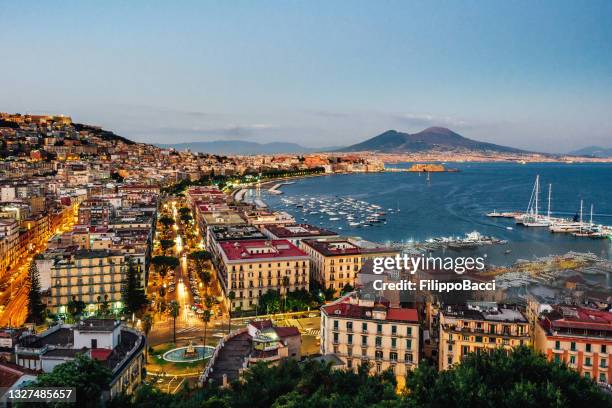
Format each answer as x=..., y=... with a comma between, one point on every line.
x=419, y=207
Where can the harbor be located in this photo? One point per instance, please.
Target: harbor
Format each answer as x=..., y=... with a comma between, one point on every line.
x=576, y=226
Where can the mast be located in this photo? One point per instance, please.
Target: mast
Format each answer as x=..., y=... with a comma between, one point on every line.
x=581, y=202
x=591, y=222
x=549, y=196
x=537, y=195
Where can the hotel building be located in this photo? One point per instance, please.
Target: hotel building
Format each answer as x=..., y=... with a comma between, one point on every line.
x=580, y=337
x=363, y=329
x=251, y=268
x=295, y=233
x=336, y=261
x=478, y=327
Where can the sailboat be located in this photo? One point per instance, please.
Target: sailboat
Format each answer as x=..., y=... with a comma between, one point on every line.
x=569, y=226
x=532, y=217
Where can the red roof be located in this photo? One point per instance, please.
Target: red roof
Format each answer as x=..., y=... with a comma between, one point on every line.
x=355, y=311
x=260, y=249
x=100, y=353
x=261, y=324
x=408, y=315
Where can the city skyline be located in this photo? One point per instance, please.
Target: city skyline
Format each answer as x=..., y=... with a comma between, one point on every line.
x=528, y=76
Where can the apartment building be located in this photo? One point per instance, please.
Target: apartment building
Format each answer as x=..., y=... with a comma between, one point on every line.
x=91, y=276
x=336, y=261
x=252, y=268
x=362, y=329
x=478, y=327
x=578, y=336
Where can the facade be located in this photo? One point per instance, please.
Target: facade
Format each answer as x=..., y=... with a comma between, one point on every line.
x=90, y=276
x=251, y=268
x=362, y=329
x=478, y=327
x=580, y=337
x=118, y=347
x=336, y=261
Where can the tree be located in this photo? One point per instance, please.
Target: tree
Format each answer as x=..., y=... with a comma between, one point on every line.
x=166, y=244
x=270, y=302
x=134, y=297
x=184, y=210
x=185, y=218
x=521, y=379
x=206, y=277
x=166, y=221
x=346, y=289
x=285, y=284
x=163, y=263
x=76, y=308
x=88, y=376
x=200, y=258
x=206, y=319
x=231, y=296
x=174, y=312
x=147, y=324
x=36, y=308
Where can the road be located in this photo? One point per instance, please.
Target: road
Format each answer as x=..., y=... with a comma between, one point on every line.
x=14, y=300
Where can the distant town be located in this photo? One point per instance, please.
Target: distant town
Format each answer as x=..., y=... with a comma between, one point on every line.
x=151, y=263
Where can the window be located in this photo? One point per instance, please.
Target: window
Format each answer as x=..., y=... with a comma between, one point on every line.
x=350, y=339
x=588, y=347
x=573, y=346
x=409, y=332
x=572, y=360
x=364, y=340
x=602, y=377
x=603, y=348
x=335, y=325
x=335, y=338
x=603, y=363
x=349, y=326
x=408, y=357
x=364, y=327
x=349, y=363
x=557, y=345
x=394, y=330
x=393, y=342
x=378, y=342
x=379, y=328
x=378, y=355
x=557, y=358
x=491, y=339
x=409, y=344
x=478, y=339
x=587, y=361
x=393, y=356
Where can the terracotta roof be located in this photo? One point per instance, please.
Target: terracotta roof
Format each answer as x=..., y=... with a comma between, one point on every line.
x=261, y=324
x=260, y=249
x=100, y=354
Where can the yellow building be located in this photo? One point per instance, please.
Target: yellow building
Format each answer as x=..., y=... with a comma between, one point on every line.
x=362, y=329
x=91, y=276
x=478, y=327
x=336, y=261
x=253, y=267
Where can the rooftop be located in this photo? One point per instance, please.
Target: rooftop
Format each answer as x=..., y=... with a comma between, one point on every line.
x=299, y=231
x=348, y=309
x=235, y=232
x=260, y=249
x=345, y=246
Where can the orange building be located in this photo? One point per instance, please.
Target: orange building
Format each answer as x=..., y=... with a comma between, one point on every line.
x=579, y=337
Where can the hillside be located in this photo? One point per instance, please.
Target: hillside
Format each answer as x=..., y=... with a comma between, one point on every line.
x=593, y=151
x=433, y=138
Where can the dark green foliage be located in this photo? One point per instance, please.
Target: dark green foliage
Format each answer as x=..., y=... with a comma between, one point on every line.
x=36, y=308
x=134, y=297
x=89, y=377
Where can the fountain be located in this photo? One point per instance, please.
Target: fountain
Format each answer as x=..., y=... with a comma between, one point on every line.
x=188, y=353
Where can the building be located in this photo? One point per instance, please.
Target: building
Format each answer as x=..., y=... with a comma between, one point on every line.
x=224, y=233
x=477, y=327
x=252, y=268
x=578, y=336
x=120, y=348
x=94, y=277
x=272, y=344
x=295, y=233
x=362, y=329
x=336, y=261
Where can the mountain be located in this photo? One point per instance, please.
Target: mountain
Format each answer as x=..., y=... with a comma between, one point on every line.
x=242, y=147
x=594, y=151
x=433, y=138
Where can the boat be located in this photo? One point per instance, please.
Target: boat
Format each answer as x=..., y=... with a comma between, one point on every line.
x=532, y=217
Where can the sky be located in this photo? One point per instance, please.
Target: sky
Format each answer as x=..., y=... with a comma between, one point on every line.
x=533, y=75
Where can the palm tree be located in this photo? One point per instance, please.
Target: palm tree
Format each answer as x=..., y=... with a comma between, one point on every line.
x=205, y=318
x=206, y=277
x=147, y=324
x=174, y=312
x=231, y=296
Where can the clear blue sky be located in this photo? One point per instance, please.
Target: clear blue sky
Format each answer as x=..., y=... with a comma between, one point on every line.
x=528, y=74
